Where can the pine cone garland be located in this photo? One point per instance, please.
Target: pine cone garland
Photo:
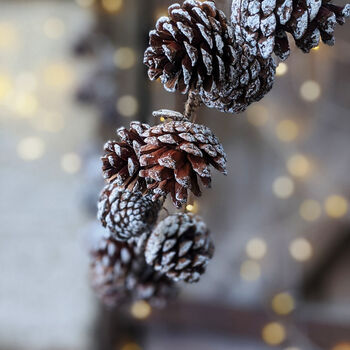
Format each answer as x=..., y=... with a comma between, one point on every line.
x=126, y=214
x=195, y=49
x=174, y=154
x=180, y=247
x=264, y=24
x=120, y=163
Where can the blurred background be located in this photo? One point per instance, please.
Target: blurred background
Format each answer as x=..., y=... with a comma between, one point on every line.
x=71, y=72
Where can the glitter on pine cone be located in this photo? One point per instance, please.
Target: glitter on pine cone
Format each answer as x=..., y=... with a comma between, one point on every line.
x=120, y=276
x=126, y=214
x=265, y=24
x=195, y=49
x=180, y=247
x=120, y=163
x=175, y=154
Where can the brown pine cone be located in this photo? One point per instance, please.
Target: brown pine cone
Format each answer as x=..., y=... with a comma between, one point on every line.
x=264, y=24
x=195, y=49
x=120, y=163
x=126, y=214
x=119, y=276
x=176, y=153
x=180, y=247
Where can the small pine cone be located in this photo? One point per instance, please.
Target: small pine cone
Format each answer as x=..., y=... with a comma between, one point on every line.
x=180, y=247
x=126, y=214
x=265, y=24
x=174, y=155
x=120, y=163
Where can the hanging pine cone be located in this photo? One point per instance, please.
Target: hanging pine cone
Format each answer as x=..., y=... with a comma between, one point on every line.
x=120, y=163
x=126, y=214
x=180, y=247
x=195, y=49
x=265, y=24
x=119, y=276
x=174, y=155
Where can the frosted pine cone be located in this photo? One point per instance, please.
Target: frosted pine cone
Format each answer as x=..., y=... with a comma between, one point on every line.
x=180, y=247
x=175, y=154
x=118, y=276
x=126, y=214
x=120, y=163
x=195, y=49
x=264, y=24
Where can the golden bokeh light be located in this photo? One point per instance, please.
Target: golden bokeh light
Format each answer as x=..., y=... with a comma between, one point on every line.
x=299, y=165
x=6, y=87
x=256, y=248
x=274, y=334
x=26, y=105
x=250, y=270
x=287, y=130
x=58, y=75
x=131, y=346
x=9, y=38
x=283, y=304
x=281, y=69
x=193, y=207
x=301, y=249
x=140, y=310
x=310, y=210
x=283, y=187
x=336, y=206
x=112, y=6
x=54, y=28
x=342, y=346
x=127, y=106
x=310, y=90
x=71, y=163
x=125, y=58
x=258, y=115
x=31, y=148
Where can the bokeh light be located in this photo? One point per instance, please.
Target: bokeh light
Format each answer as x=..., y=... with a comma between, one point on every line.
x=127, y=106
x=193, y=207
x=310, y=210
x=26, y=105
x=287, y=130
x=281, y=69
x=71, y=163
x=283, y=304
x=250, y=270
x=58, y=75
x=258, y=115
x=310, y=90
x=125, y=58
x=299, y=165
x=301, y=249
x=256, y=248
x=283, y=187
x=274, y=334
x=140, y=310
x=6, y=87
x=9, y=38
x=112, y=6
x=31, y=148
x=336, y=206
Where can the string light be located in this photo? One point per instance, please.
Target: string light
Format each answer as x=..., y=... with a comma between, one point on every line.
x=283, y=187
x=282, y=69
x=258, y=115
x=274, y=334
x=298, y=165
x=54, y=28
x=125, y=58
x=256, y=248
x=127, y=106
x=342, y=346
x=141, y=310
x=310, y=210
x=336, y=206
x=131, y=346
x=301, y=249
x=112, y=6
x=250, y=270
x=71, y=163
x=310, y=90
x=287, y=130
x=283, y=304
x=162, y=119
x=31, y=148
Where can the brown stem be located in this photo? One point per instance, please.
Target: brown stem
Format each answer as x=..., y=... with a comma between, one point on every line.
x=192, y=103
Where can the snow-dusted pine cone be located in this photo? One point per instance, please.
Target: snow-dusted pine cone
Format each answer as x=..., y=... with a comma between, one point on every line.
x=126, y=214
x=180, y=247
x=175, y=154
x=120, y=162
x=118, y=276
x=265, y=24
x=195, y=49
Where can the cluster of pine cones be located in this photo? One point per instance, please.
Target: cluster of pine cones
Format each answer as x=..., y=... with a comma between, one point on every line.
x=223, y=64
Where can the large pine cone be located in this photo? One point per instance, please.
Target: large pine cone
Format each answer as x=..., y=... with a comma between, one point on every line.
x=119, y=276
x=176, y=153
x=180, y=247
x=265, y=24
x=126, y=214
x=120, y=162
x=195, y=49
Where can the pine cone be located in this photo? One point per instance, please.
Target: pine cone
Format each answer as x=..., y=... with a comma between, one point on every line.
x=126, y=214
x=264, y=24
x=120, y=163
x=195, y=49
x=174, y=155
x=120, y=276
x=180, y=247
